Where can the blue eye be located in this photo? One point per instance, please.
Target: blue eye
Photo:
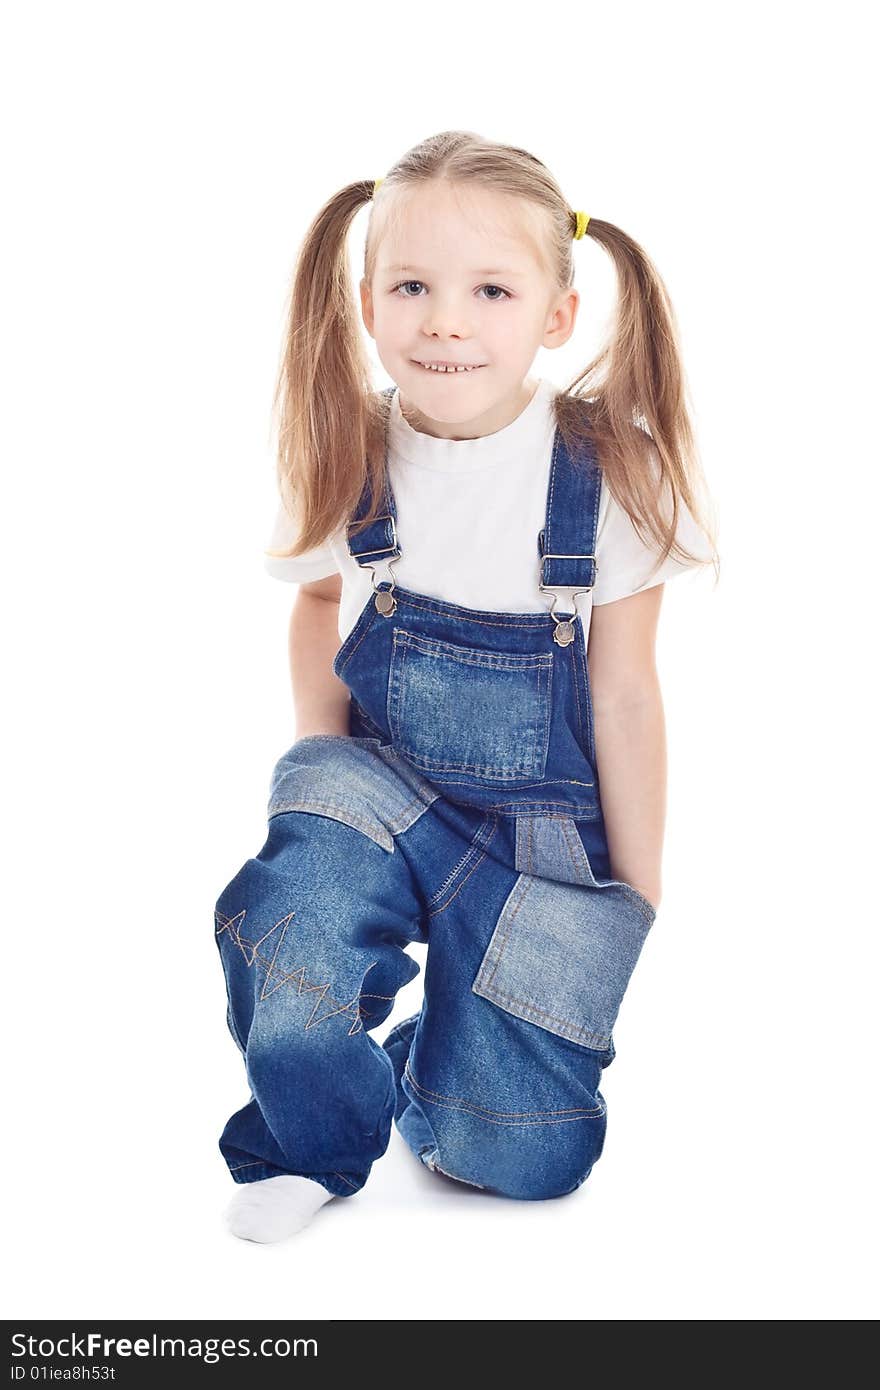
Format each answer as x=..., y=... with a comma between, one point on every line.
x=492, y=300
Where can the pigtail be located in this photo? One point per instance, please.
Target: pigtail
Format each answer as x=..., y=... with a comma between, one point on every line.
x=638, y=416
x=330, y=427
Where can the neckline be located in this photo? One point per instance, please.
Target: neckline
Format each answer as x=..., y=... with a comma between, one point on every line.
x=471, y=455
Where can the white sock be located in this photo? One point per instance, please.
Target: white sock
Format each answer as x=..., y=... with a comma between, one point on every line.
x=274, y=1208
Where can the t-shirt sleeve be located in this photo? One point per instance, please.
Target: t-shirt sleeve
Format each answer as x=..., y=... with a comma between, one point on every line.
x=625, y=563
x=318, y=563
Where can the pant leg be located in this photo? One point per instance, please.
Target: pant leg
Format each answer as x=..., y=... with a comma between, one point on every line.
x=498, y=1076
x=312, y=934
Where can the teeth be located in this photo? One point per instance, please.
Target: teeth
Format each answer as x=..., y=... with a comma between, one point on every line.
x=429, y=368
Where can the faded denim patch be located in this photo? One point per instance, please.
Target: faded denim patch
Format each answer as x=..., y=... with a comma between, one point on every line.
x=462, y=709
x=561, y=956
x=550, y=846
x=352, y=780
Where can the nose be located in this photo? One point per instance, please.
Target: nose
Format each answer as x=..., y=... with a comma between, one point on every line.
x=445, y=320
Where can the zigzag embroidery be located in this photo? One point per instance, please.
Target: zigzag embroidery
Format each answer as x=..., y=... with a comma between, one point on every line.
x=275, y=977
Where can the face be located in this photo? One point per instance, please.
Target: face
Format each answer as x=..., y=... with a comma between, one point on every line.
x=455, y=282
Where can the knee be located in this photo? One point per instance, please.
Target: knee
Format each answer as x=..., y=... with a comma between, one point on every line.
x=527, y=1163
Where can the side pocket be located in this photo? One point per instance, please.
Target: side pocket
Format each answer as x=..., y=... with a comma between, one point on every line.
x=562, y=955
x=552, y=847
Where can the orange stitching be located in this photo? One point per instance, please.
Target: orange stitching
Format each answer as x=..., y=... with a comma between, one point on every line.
x=527, y=1004
x=514, y=1117
x=502, y=943
x=473, y=848
x=579, y=857
x=471, y=870
x=294, y=976
x=515, y=1114
x=528, y=661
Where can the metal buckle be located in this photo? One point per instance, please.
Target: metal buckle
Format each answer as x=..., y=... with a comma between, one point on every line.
x=563, y=632
x=384, y=599
x=385, y=516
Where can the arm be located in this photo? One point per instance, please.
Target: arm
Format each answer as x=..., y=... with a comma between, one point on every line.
x=630, y=736
x=320, y=698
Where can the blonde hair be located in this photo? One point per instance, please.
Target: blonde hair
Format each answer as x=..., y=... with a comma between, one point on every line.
x=331, y=422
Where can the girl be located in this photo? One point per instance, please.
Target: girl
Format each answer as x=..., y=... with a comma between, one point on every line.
x=456, y=532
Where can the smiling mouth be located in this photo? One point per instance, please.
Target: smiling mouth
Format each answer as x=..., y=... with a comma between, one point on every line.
x=448, y=368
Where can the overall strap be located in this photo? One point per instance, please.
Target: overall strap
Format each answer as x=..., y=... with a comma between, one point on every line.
x=379, y=540
x=567, y=543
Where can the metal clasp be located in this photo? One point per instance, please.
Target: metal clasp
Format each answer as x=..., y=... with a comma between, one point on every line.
x=384, y=599
x=563, y=632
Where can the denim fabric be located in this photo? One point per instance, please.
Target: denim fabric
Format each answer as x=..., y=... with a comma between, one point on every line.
x=463, y=811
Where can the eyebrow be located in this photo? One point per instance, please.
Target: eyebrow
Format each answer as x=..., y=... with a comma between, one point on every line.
x=393, y=269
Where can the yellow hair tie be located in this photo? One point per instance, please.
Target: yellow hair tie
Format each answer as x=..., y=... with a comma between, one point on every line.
x=582, y=220
x=376, y=185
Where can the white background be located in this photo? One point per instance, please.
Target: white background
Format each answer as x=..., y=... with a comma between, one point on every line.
x=161, y=163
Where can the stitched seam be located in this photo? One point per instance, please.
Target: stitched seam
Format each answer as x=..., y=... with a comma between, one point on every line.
x=511, y=661
x=361, y=714
x=547, y=701
x=542, y=1013
x=364, y=615
x=473, y=848
x=577, y=695
x=637, y=900
x=553, y=782
x=451, y=899
x=402, y=822
x=549, y=782
x=553, y=462
x=534, y=755
x=531, y=808
x=297, y=976
x=586, y=731
x=394, y=826
x=502, y=1114
x=579, y=858
x=541, y=619
x=451, y=877
x=501, y=774
x=559, y=782
x=329, y=808
x=501, y=1117
x=522, y=888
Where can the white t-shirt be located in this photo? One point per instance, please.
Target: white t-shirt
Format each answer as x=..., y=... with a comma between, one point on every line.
x=468, y=516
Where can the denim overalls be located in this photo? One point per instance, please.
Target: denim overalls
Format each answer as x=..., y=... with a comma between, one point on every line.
x=463, y=812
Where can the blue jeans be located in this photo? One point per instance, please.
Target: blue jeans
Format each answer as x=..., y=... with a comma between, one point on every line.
x=495, y=1082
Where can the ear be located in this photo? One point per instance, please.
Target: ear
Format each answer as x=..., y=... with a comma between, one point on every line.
x=561, y=319
x=366, y=306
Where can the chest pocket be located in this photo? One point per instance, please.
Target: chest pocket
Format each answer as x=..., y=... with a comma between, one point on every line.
x=455, y=709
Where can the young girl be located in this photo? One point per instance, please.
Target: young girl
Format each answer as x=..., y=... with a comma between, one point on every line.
x=464, y=533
